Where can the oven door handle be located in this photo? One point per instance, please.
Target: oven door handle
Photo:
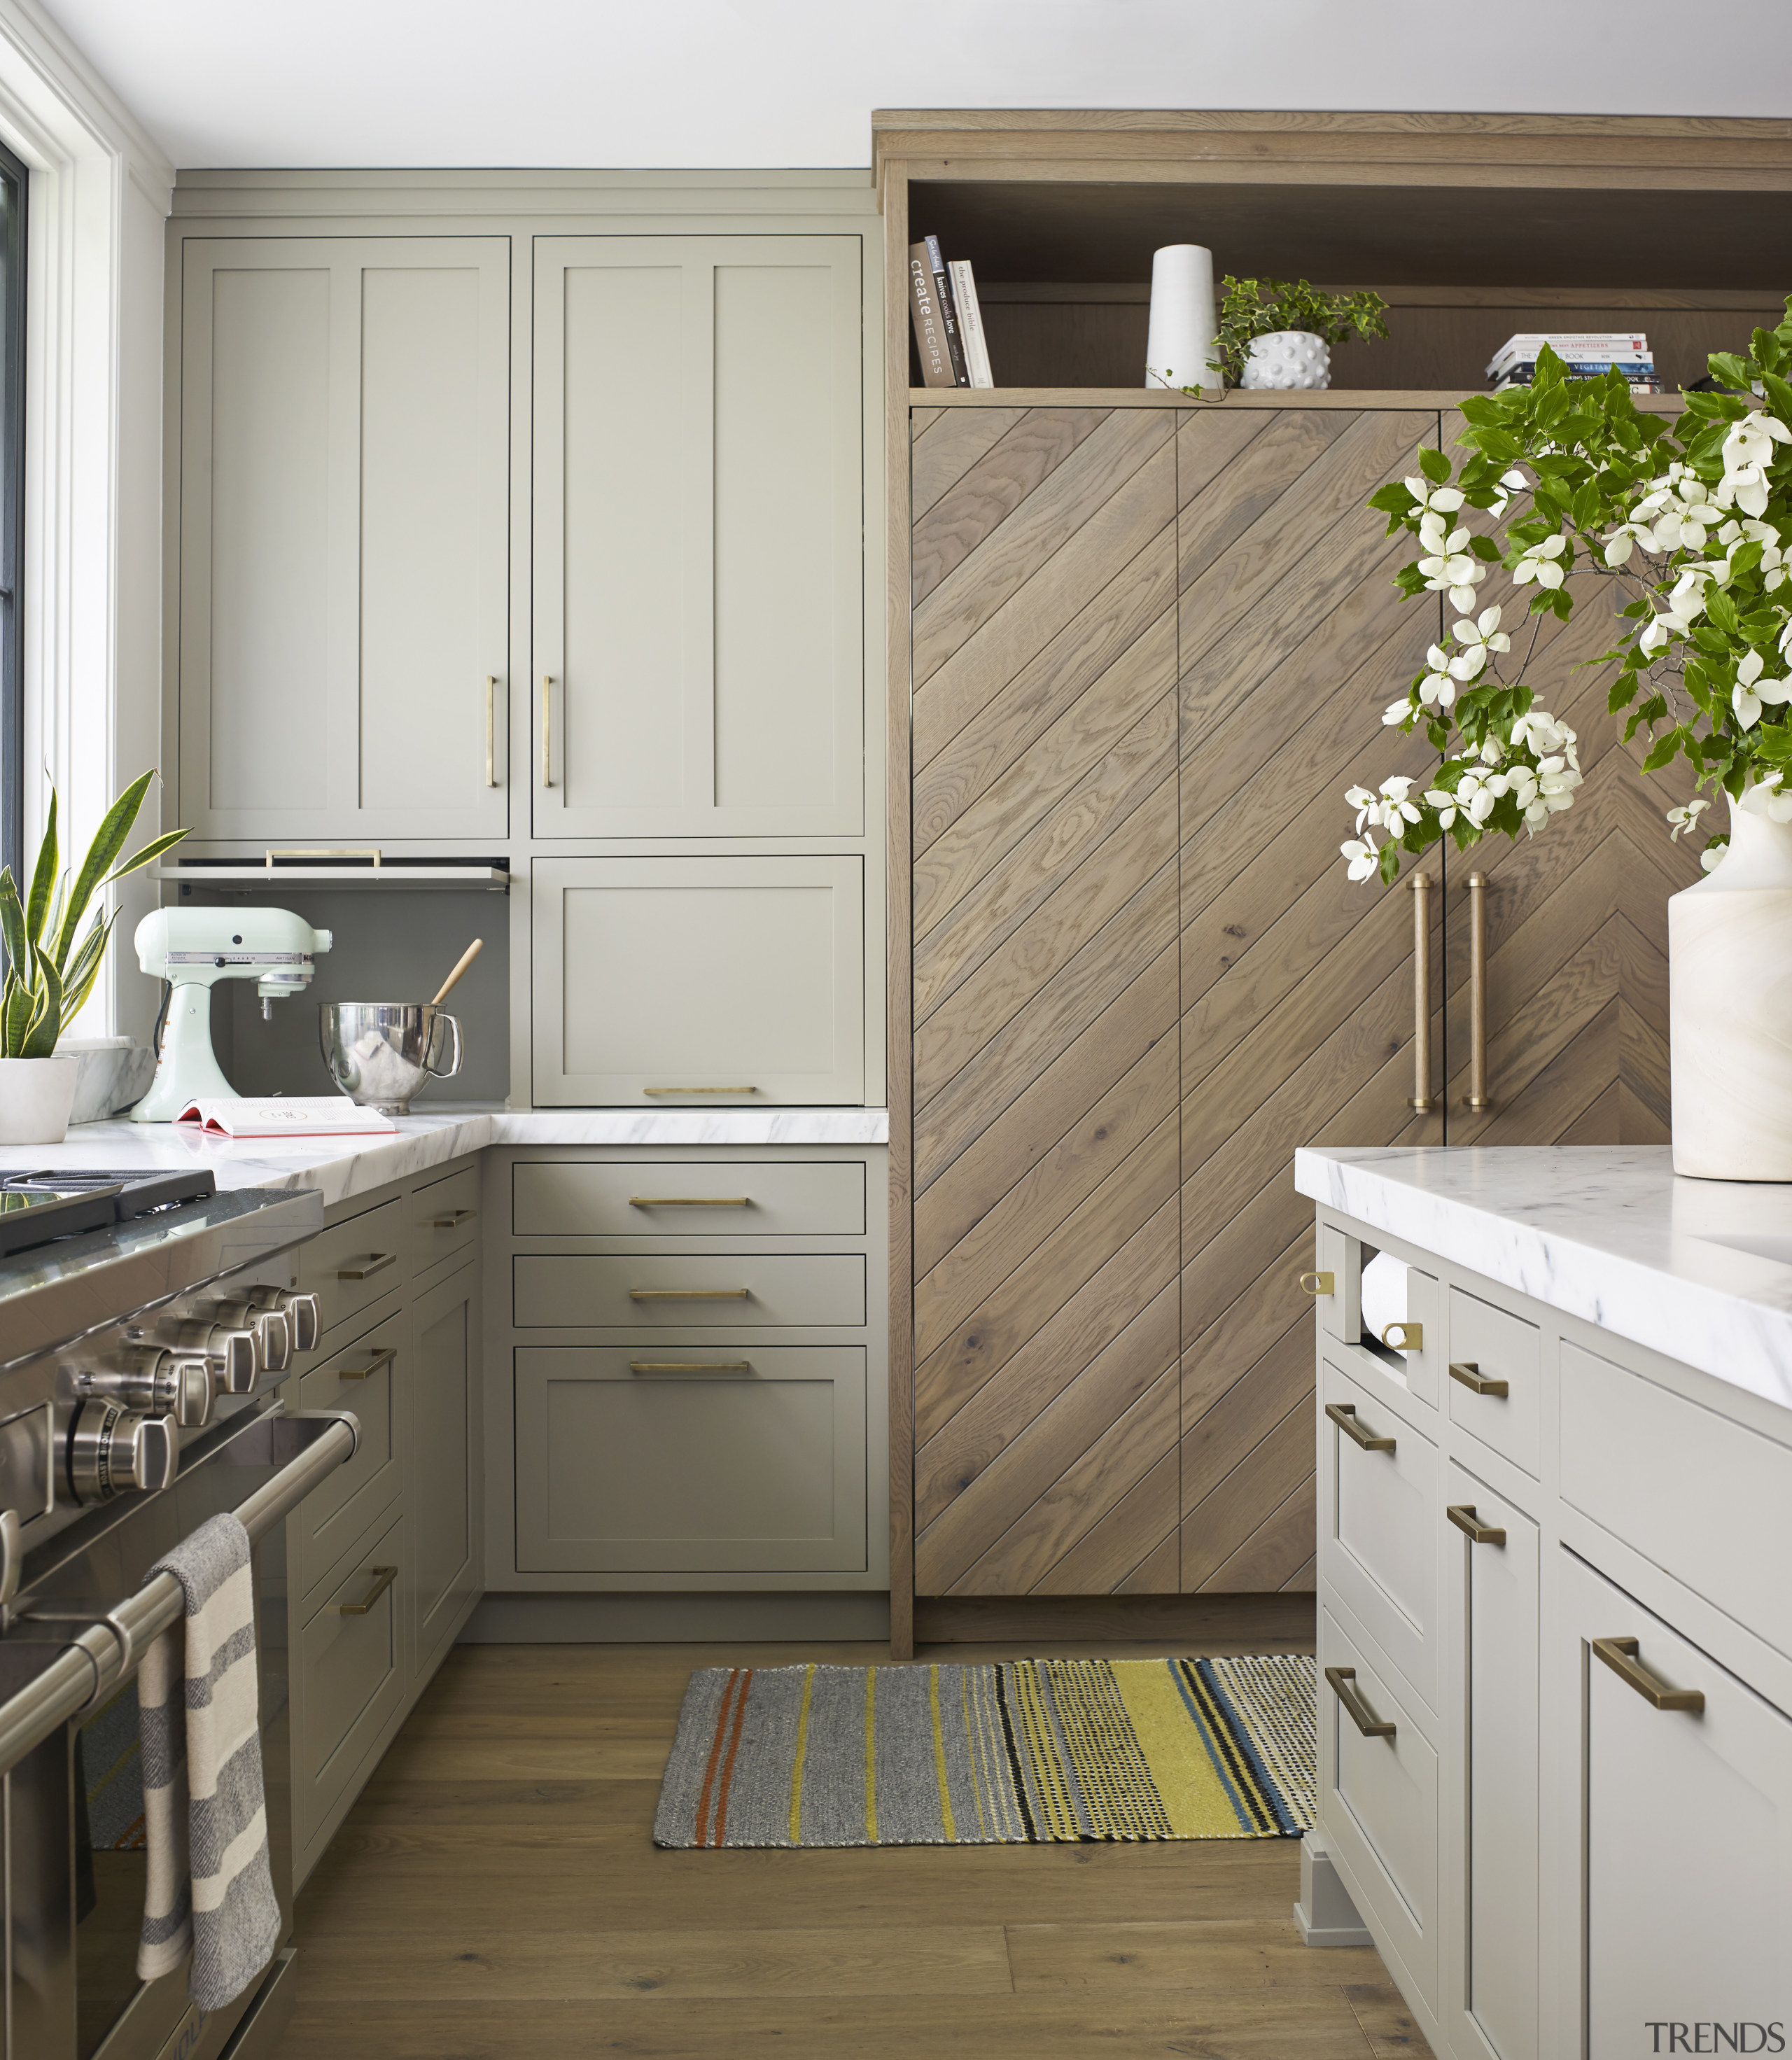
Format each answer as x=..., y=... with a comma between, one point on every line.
x=306, y=1446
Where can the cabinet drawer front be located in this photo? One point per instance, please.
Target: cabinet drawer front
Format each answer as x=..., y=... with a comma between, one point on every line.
x=1386, y=1514
x=1378, y=1802
x=643, y=1461
x=353, y=1671
x=1688, y=1817
x=351, y=1264
x=1494, y=1345
x=365, y=1378
x=1709, y=1499
x=443, y=1509
x=573, y=1198
x=445, y=1217
x=712, y=1290
x=710, y=983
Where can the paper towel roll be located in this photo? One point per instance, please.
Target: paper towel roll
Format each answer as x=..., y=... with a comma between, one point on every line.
x=1384, y=1294
x=1179, y=344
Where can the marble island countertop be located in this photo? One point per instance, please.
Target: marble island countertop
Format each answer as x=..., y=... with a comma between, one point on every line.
x=1698, y=1269
x=342, y=1166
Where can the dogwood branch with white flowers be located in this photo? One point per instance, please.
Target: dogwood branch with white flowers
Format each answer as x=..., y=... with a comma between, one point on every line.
x=1693, y=521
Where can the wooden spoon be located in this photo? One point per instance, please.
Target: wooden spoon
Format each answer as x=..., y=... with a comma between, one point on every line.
x=466, y=959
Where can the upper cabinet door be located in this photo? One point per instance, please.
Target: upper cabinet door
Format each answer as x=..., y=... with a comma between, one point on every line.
x=699, y=633
x=345, y=412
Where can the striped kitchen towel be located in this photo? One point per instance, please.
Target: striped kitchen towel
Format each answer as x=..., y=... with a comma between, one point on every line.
x=210, y=1887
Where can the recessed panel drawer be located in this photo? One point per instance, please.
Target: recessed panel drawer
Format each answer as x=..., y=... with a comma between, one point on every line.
x=722, y=1289
x=352, y=1654
x=364, y=1377
x=445, y=1217
x=1490, y=1349
x=763, y=1198
x=1382, y=1497
x=350, y=1264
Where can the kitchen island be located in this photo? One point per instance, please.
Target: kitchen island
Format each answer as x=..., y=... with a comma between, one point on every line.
x=1554, y=1630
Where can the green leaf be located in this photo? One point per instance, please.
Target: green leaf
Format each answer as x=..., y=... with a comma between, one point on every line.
x=1721, y=609
x=12, y=924
x=1733, y=371
x=1778, y=392
x=1435, y=465
x=46, y=1019
x=1663, y=752
x=108, y=840
x=84, y=969
x=1485, y=548
x=1390, y=862
x=43, y=879
x=152, y=850
x=1623, y=694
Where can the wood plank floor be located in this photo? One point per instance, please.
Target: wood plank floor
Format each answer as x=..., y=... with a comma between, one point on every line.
x=496, y=1892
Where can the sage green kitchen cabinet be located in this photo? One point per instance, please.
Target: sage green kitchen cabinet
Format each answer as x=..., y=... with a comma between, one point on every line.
x=725, y=982
x=699, y=537
x=446, y=1497
x=344, y=538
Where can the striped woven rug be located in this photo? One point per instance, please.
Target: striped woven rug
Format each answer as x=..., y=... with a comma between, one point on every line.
x=1031, y=1751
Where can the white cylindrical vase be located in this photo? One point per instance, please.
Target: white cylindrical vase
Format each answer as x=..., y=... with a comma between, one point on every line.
x=1180, y=345
x=1287, y=360
x=1730, y=1009
x=36, y=1096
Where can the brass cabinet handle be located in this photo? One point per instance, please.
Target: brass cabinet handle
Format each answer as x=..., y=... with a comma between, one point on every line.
x=491, y=729
x=383, y=1579
x=1317, y=1283
x=690, y=1201
x=1620, y=1655
x=1478, y=993
x=375, y=1262
x=453, y=1220
x=547, y=730
x=1422, y=1099
x=1462, y=1514
x=1411, y=1338
x=270, y=853
x=690, y=1365
x=690, y=1294
x=1358, y=1712
x=383, y=1355
x=1343, y=1415
x=1469, y=1373
x=656, y=1091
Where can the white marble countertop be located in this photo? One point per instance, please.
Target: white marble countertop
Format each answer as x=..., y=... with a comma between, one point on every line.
x=1700, y=1270
x=341, y=1166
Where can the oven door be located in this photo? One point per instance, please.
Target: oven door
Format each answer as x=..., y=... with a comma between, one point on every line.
x=76, y=1862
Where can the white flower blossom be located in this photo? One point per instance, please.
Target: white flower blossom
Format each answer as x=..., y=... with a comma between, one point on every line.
x=1438, y=500
x=1441, y=799
x=1711, y=857
x=1686, y=818
x=1362, y=800
x=1476, y=794
x=1748, y=451
x=1478, y=639
x=1397, y=712
x=1361, y=852
x=1438, y=687
x=1513, y=482
x=1448, y=567
x=1751, y=690
x=1538, y=563
x=1770, y=797
x=1624, y=539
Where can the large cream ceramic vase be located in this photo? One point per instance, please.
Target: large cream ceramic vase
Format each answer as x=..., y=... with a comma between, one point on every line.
x=1730, y=1009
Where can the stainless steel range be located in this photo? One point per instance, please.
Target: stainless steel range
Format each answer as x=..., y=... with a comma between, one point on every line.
x=145, y=1331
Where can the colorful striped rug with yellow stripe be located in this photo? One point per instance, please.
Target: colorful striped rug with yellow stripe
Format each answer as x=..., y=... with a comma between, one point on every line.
x=1030, y=1751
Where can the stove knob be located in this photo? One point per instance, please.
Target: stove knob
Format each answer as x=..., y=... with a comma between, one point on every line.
x=191, y=1399
x=300, y=1312
x=276, y=1336
x=230, y=1353
x=113, y=1451
x=161, y=1381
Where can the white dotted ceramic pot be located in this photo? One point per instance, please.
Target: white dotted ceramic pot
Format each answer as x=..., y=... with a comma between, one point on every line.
x=1287, y=360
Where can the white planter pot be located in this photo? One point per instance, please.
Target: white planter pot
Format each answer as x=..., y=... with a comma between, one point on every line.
x=1730, y=1009
x=1180, y=339
x=1287, y=360
x=36, y=1096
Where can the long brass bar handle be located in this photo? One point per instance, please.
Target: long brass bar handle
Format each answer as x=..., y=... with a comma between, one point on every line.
x=1343, y=1415
x=1462, y=1514
x=453, y=1220
x=375, y=1262
x=1478, y=993
x=1620, y=1655
x=1421, y=1100
x=690, y=1365
x=547, y=730
x=491, y=729
x=383, y=1355
x=1469, y=1373
x=1357, y=1710
x=690, y=1201
x=383, y=1579
x=657, y=1091
x=690, y=1294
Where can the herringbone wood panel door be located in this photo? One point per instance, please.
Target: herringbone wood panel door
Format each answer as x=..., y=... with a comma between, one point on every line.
x=1045, y=999
x=1297, y=987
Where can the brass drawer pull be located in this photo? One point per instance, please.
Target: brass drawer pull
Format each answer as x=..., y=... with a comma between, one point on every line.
x=1422, y=1099
x=1412, y=1336
x=690, y=1365
x=1316, y=1283
x=1620, y=1655
x=491, y=729
x=1469, y=1373
x=1478, y=993
x=375, y=1262
x=1358, y=1712
x=383, y=1579
x=690, y=1201
x=270, y=853
x=1462, y=1514
x=699, y=1091
x=547, y=730
x=454, y=1221
x=690, y=1294
x=1343, y=1415
x=383, y=1355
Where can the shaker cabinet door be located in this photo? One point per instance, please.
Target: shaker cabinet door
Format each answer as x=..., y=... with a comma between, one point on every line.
x=344, y=537
x=699, y=525
x=446, y=1521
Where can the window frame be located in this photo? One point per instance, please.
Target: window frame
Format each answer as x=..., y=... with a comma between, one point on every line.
x=15, y=191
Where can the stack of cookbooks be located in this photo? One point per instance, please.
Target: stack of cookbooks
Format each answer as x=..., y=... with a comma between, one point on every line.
x=1585, y=353
x=948, y=324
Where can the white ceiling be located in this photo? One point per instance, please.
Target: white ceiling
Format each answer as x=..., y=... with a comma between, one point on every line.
x=704, y=83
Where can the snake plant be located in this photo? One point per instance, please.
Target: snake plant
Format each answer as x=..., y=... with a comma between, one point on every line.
x=49, y=975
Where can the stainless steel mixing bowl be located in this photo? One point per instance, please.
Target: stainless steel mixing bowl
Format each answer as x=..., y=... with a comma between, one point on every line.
x=380, y=1053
